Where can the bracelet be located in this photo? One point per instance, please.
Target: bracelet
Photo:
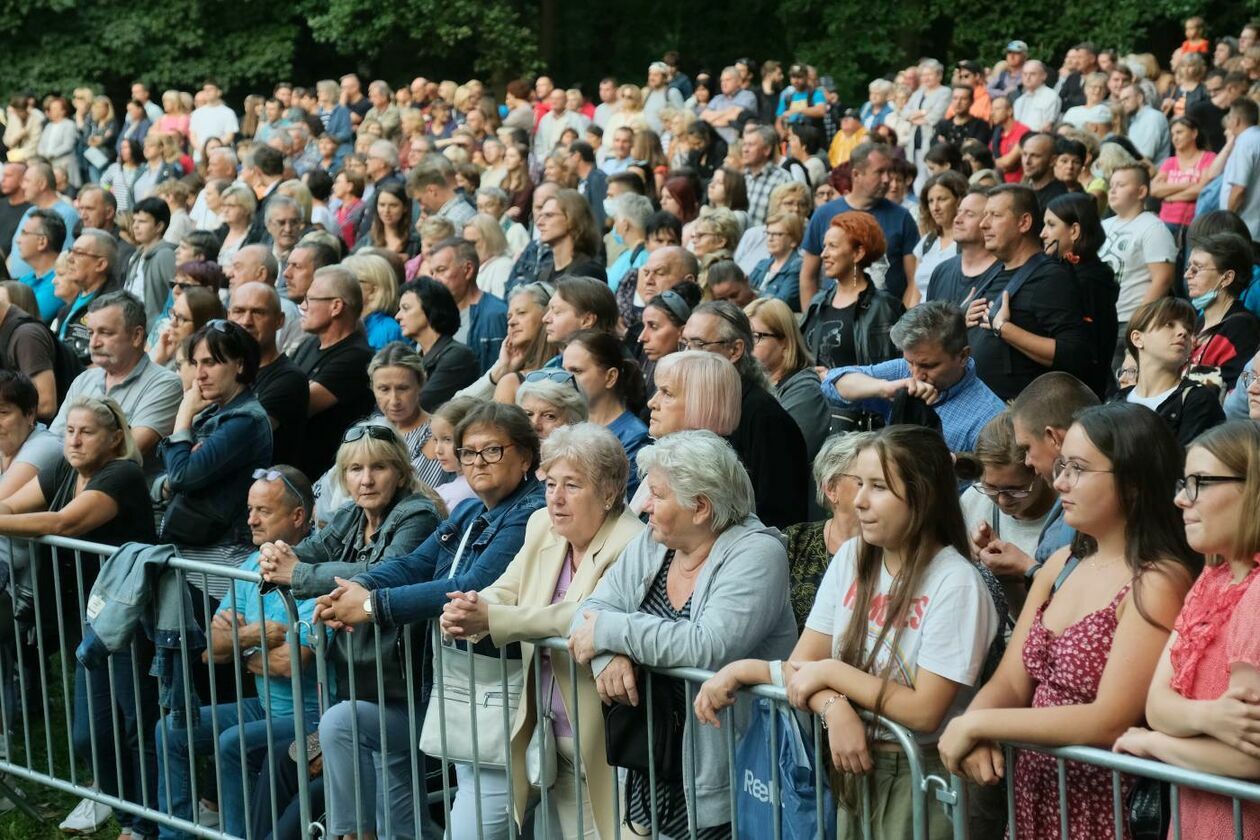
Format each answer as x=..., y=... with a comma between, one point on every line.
x=827, y=708
x=490, y=376
x=997, y=330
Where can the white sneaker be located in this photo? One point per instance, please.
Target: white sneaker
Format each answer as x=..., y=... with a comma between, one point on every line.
x=87, y=817
x=207, y=817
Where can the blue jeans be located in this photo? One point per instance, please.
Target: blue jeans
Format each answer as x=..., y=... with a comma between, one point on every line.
x=98, y=706
x=245, y=723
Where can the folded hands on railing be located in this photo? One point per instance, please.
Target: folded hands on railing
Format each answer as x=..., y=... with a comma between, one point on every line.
x=343, y=608
x=465, y=615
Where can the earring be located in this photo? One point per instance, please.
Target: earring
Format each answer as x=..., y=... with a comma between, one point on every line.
x=855, y=274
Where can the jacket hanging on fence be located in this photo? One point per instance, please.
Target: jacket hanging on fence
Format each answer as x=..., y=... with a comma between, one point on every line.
x=136, y=588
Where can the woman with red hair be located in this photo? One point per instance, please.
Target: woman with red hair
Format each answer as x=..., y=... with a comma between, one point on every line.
x=680, y=198
x=849, y=320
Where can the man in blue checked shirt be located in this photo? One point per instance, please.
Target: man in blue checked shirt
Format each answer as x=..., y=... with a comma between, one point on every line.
x=280, y=506
x=936, y=366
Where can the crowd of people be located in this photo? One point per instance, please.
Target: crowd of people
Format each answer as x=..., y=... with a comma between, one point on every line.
x=941, y=405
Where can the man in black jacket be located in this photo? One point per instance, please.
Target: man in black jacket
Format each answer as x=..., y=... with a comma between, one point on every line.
x=1031, y=311
x=768, y=440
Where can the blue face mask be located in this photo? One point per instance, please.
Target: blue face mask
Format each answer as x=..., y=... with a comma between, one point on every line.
x=1204, y=300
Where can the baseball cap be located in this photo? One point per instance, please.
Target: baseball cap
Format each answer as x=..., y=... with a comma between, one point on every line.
x=828, y=84
x=851, y=112
x=1017, y=46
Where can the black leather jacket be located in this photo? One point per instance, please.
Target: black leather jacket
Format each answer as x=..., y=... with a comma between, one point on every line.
x=877, y=311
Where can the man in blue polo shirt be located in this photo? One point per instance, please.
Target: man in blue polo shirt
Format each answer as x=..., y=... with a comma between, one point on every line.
x=39, y=241
x=871, y=164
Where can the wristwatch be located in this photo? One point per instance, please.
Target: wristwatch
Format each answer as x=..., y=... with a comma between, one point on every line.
x=367, y=606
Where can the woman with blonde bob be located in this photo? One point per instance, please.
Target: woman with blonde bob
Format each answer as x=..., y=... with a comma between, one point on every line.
x=568, y=548
x=780, y=347
x=493, y=255
x=379, y=283
x=1199, y=706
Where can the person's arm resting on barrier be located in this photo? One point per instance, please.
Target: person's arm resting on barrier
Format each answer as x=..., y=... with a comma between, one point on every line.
x=25, y=514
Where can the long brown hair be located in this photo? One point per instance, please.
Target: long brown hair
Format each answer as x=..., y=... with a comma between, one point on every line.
x=919, y=470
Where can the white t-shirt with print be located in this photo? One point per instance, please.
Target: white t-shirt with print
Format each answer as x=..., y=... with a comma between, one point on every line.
x=949, y=626
x=1131, y=246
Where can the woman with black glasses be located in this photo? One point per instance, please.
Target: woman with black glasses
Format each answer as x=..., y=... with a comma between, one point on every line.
x=390, y=515
x=222, y=435
x=499, y=452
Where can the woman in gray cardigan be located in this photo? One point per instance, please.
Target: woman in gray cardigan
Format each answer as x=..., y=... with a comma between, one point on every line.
x=705, y=585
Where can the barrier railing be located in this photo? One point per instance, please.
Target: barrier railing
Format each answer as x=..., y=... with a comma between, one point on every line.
x=104, y=735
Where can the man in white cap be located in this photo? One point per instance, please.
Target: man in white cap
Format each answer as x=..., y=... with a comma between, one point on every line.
x=659, y=95
x=1010, y=78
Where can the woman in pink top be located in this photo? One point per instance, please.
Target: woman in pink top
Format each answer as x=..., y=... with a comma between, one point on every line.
x=1204, y=702
x=175, y=120
x=1180, y=176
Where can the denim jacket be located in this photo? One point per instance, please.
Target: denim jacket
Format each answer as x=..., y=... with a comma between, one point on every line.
x=212, y=464
x=136, y=588
x=487, y=327
x=413, y=587
x=784, y=284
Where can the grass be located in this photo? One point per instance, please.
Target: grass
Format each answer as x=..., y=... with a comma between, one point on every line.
x=52, y=805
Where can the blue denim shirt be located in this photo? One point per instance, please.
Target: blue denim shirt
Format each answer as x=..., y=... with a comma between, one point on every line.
x=784, y=284
x=213, y=463
x=487, y=327
x=413, y=587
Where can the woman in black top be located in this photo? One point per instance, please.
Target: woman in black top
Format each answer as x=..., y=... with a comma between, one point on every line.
x=97, y=494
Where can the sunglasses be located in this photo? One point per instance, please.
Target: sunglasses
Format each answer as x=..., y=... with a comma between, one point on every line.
x=561, y=377
x=372, y=430
x=276, y=475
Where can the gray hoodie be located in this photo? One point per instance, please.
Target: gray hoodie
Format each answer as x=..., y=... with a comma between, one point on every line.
x=739, y=610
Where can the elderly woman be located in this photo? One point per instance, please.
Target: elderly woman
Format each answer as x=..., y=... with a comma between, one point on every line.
x=525, y=349
x=428, y=316
x=849, y=320
x=380, y=297
x=237, y=208
x=779, y=274
x=567, y=550
x=552, y=398
x=493, y=255
x=754, y=245
x=499, y=452
x=705, y=585
x=98, y=493
x=812, y=545
x=715, y=235
x=1226, y=335
x=193, y=308
x=390, y=516
x=222, y=437
x=780, y=347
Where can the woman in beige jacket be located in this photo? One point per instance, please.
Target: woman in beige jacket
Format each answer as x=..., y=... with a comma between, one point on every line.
x=567, y=549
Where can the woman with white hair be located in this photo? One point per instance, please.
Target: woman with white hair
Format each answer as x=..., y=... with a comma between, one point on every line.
x=551, y=398
x=705, y=585
x=493, y=254
x=568, y=548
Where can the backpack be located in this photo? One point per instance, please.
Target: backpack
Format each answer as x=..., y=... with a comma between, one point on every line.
x=66, y=365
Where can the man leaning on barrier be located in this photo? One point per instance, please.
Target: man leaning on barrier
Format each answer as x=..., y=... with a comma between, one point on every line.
x=248, y=628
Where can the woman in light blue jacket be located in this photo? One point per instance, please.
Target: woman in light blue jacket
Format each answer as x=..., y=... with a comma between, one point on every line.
x=705, y=585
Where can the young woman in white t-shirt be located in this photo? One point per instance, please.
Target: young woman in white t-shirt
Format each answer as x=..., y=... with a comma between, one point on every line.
x=901, y=625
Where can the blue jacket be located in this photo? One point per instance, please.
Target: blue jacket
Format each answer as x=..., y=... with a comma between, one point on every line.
x=413, y=587
x=785, y=284
x=135, y=588
x=340, y=129
x=212, y=464
x=487, y=327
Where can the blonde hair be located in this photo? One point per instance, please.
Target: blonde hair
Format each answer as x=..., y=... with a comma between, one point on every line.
x=1236, y=444
x=710, y=386
x=300, y=193
x=779, y=193
x=376, y=272
x=110, y=415
x=721, y=221
x=493, y=241
x=793, y=224
x=781, y=320
x=393, y=453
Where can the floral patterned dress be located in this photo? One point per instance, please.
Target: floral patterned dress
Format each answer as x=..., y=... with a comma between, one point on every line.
x=1067, y=669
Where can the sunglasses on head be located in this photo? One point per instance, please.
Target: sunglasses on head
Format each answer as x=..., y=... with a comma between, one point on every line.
x=276, y=475
x=553, y=375
x=372, y=430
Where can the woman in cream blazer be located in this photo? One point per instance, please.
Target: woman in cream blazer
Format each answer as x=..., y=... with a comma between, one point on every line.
x=568, y=547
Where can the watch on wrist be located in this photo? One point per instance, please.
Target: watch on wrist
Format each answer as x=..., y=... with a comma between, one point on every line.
x=367, y=606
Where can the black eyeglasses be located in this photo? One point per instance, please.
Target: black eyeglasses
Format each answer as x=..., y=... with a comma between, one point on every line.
x=1192, y=484
x=562, y=377
x=276, y=475
x=759, y=337
x=372, y=430
x=1013, y=493
x=181, y=284
x=701, y=344
x=490, y=454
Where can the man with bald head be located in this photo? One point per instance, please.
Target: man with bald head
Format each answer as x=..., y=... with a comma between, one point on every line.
x=97, y=209
x=257, y=264
x=665, y=268
x=1038, y=106
x=1037, y=159
x=281, y=386
x=335, y=365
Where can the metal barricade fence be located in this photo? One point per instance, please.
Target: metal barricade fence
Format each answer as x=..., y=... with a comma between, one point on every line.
x=108, y=728
x=372, y=709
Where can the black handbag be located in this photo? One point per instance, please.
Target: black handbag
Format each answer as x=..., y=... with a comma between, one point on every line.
x=626, y=734
x=1150, y=810
x=185, y=524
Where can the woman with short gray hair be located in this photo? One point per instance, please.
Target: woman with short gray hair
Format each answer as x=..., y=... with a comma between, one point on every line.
x=568, y=548
x=551, y=398
x=705, y=584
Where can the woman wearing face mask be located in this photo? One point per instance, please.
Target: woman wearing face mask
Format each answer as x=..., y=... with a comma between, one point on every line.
x=1226, y=334
x=1159, y=340
x=1073, y=232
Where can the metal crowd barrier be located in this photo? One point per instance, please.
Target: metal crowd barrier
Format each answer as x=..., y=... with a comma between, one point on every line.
x=383, y=726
